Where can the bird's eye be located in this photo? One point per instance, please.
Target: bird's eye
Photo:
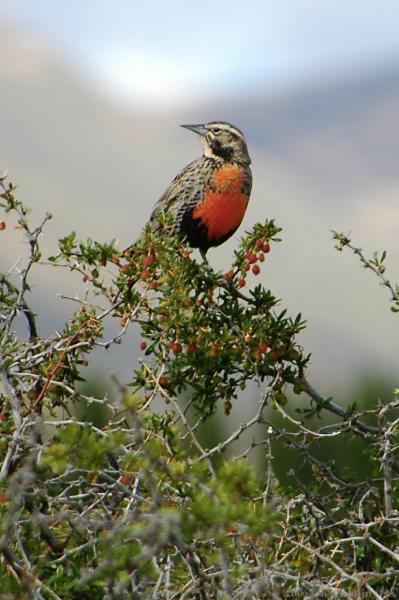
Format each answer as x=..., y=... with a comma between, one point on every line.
x=216, y=130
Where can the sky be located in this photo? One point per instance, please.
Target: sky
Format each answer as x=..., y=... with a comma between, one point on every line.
x=160, y=53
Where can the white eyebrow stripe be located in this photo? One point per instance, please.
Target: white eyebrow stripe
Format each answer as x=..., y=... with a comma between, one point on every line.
x=228, y=127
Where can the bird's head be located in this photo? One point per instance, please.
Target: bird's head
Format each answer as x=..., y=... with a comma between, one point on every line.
x=222, y=140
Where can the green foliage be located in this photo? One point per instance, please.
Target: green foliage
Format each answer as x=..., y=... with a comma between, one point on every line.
x=136, y=507
x=77, y=445
x=199, y=331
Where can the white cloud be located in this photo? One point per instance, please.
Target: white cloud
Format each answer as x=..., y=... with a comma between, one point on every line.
x=149, y=81
x=158, y=53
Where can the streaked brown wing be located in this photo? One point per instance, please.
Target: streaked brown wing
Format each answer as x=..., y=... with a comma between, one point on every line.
x=184, y=192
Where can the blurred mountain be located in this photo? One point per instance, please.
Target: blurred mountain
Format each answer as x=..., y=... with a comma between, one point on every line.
x=321, y=128
x=324, y=157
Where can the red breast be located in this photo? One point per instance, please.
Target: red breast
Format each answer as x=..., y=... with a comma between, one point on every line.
x=224, y=203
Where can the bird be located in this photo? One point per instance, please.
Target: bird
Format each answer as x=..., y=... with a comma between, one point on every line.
x=207, y=200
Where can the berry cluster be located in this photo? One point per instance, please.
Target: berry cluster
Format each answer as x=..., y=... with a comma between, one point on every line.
x=250, y=261
x=147, y=265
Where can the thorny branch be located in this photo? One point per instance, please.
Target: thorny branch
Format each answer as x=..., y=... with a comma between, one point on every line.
x=375, y=265
x=141, y=507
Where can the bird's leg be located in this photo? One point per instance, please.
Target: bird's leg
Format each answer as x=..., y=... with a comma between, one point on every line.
x=203, y=256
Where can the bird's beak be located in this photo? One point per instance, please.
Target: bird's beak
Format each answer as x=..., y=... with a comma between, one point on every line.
x=200, y=129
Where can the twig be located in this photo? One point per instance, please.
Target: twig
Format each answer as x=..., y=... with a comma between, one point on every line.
x=330, y=406
x=258, y=418
x=393, y=555
x=182, y=416
x=345, y=242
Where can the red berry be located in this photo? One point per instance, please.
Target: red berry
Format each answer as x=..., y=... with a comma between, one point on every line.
x=163, y=382
x=144, y=274
x=241, y=283
x=176, y=348
x=85, y=279
x=154, y=284
x=102, y=261
x=256, y=269
x=214, y=349
x=191, y=347
x=248, y=254
x=125, y=268
x=252, y=258
x=2, y=225
x=143, y=345
x=245, y=266
x=125, y=479
x=259, y=243
x=32, y=394
x=2, y=417
x=262, y=347
x=266, y=248
x=261, y=257
x=228, y=275
x=148, y=260
x=116, y=260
